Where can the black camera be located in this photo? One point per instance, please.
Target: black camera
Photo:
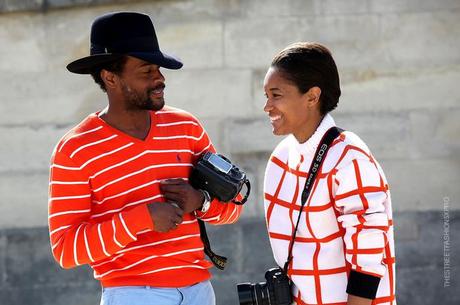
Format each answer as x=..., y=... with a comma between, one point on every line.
x=220, y=178
x=275, y=291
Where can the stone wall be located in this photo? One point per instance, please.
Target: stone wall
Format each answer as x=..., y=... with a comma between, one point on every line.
x=400, y=69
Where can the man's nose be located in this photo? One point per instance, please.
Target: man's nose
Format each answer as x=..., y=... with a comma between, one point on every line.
x=159, y=76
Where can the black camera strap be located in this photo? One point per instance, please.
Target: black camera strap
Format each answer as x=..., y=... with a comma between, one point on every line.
x=321, y=151
x=217, y=260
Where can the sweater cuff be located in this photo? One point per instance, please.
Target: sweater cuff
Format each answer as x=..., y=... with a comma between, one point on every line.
x=214, y=209
x=138, y=218
x=362, y=285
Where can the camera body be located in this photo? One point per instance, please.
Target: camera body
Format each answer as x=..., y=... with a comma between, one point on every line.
x=275, y=291
x=219, y=177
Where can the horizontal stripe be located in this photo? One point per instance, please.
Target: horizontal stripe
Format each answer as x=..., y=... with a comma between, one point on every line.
x=68, y=182
x=159, y=242
x=179, y=137
x=136, y=173
x=203, y=150
x=98, y=276
x=365, y=251
x=78, y=135
x=296, y=207
x=92, y=144
x=136, y=157
x=306, y=239
x=106, y=154
x=59, y=229
x=126, y=206
x=69, y=197
x=317, y=272
x=126, y=192
x=173, y=268
x=106, y=262
x=170, y=111
x=68, y=212
x=177, y=123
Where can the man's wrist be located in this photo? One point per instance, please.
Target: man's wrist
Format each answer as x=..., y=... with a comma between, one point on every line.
x=206, y=201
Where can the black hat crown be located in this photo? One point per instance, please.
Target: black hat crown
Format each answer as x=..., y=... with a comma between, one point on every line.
x=123, y=33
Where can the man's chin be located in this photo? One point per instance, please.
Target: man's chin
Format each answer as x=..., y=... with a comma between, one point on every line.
x=153, y=105
x=157, y=105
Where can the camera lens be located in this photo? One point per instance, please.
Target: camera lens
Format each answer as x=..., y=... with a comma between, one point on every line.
x=245, y=294
x=253, y=294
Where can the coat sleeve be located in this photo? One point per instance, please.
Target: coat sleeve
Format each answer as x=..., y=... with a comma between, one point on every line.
x=75, y=238
x=360, y=196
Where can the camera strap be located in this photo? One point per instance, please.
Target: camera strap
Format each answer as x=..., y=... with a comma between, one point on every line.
x=217, y=260
x=321, y=151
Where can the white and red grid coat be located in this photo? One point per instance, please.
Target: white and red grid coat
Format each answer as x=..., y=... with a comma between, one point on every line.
x=346, y=223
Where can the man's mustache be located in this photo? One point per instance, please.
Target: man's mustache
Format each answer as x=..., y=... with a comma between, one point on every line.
x=157, y=87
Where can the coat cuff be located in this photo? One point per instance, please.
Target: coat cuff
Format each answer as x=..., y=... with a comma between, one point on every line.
x=362, y=285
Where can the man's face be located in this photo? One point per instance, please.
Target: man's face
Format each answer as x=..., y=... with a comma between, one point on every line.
x=142, y=85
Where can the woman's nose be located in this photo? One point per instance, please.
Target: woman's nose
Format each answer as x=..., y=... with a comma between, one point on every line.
x=268, y=106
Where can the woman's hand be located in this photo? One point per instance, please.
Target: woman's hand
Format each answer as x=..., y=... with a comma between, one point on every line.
x=354, y=300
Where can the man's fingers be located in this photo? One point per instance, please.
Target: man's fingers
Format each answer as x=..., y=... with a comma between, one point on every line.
x=173, y=197
x=177, y=220
x=179, y=212
x=174, y=181
x=171, y=188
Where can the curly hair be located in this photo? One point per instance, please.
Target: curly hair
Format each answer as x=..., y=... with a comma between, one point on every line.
x=309, y=64
x=116, y=66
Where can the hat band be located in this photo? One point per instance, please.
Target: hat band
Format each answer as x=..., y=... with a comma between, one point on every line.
x=140, y=44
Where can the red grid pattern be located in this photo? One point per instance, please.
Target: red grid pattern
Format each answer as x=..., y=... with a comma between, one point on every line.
x=358, y=213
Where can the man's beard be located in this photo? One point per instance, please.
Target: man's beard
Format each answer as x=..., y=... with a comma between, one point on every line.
x=136, y=101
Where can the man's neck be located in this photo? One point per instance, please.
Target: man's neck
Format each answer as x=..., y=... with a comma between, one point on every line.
x=134, y=123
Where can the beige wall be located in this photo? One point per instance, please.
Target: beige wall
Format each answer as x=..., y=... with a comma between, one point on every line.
x=399, y=62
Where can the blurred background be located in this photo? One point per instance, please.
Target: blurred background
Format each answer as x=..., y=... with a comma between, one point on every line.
x=399, y=63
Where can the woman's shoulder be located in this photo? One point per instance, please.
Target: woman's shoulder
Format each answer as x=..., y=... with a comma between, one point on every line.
x=352, y=139
x=281, y=150
x=350, y=147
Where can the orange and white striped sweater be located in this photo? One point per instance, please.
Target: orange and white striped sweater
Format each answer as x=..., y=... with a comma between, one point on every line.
x=345, y=225
x=101, y=181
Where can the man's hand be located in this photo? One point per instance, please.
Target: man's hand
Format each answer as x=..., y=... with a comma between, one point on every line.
x=165, y=216
x=181, y=192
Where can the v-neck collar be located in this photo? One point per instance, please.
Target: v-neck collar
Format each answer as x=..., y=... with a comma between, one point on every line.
x=124, y=134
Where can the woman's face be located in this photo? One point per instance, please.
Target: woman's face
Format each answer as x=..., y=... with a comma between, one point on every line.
x=289, y=110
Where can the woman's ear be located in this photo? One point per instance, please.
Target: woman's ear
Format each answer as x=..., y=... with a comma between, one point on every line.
x=313, y=96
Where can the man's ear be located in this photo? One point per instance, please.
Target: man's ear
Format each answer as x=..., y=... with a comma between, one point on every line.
x=110, y=79
x=313, y=96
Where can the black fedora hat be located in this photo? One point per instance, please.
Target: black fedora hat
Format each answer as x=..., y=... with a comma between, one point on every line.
x=123, y=33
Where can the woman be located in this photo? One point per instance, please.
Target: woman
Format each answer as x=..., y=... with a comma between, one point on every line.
x=343, y=251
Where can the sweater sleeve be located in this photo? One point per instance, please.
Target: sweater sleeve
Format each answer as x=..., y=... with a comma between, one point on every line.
x=360, y=196
x=75, y=238
x=219, y=212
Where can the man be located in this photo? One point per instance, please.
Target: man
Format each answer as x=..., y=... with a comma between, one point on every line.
x=120, y=200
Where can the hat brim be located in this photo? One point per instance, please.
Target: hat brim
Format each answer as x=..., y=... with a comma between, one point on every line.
x=87, y=65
